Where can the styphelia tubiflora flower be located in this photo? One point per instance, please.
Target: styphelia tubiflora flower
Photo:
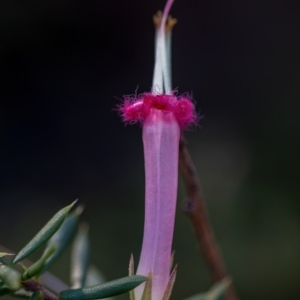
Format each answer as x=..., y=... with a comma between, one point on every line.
x=163, y=115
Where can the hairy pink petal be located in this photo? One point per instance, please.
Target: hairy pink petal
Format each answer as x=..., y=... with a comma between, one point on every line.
x=137, y=110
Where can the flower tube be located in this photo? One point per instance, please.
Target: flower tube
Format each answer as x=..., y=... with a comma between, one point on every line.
x=162, y=115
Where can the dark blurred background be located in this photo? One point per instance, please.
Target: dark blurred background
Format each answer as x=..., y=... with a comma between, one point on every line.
x=64, y=67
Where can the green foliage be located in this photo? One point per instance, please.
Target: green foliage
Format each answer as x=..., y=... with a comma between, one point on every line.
x=93, y=276
x=112, y=288
x=35, y=295
x=10, y=277
x=216, y=292
x=4, y=290
x=44, y=234
x=59, y=232
x=62, y=237
x=2, y=254
x=4, y=260
x=38, y=266
x=80, y=258
x=23, y=294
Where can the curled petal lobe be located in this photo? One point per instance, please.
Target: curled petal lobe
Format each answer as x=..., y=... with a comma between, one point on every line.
x=135, y=110
x=185, y=113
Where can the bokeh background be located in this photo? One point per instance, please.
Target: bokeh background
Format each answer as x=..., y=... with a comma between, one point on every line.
x=64, y=67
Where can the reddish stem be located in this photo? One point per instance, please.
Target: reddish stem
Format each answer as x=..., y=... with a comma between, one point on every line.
x=33, y=286
x=194, y=207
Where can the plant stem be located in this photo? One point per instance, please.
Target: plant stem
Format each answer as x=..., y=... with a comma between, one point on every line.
x=33, y=286
x=48, y=279
x=194, y=207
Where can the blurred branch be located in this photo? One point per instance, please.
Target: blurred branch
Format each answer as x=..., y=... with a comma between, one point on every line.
x=194, y=207
x=33, y=286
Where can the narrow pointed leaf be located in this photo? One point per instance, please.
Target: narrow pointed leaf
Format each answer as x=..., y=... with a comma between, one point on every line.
x=35, y=295
x=216, y=292
x=4, y=290
x=169, y=288
x=94, y=277
x=80, y=258
x=22, y=294
x=63, y=237
x=105, y=290
x=44, y=234
x=10, y=277
x=4, y=260
x=37, y=267
x=148, y=288
x=131, y=266
x=131, y=273
x=2, y=254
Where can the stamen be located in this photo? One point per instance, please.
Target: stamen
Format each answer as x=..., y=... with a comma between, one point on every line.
x=162, y=69
x=157, y=85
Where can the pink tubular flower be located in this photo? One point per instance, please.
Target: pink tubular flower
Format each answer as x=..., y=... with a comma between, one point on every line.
x=162, y=115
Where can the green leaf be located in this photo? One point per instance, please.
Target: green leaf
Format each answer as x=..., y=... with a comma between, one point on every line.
x=4, y=290
x=2, y=254
x=147, y=292
x=44, y=234
x=169, y=288
x=35, y=295
x=105, y=290
x=4, y=260
x=21, y=294
x=63, y=237
x=10, y=277
x=37, y=267
x=80, y=257
x=94, y=276
x=131, y=273
x=216, y=292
